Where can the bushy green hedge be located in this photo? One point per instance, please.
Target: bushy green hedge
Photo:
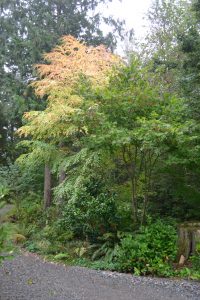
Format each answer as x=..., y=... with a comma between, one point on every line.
x=150, y=251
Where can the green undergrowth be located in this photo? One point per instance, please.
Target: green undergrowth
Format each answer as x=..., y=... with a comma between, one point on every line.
x=150, y=250
x=9, y=239
x=10, y=236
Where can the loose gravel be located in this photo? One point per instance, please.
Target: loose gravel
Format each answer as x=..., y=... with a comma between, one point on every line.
x=28, y=277
x=4, y=210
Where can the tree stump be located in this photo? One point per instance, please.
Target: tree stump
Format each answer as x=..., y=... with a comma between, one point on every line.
x=188, y=238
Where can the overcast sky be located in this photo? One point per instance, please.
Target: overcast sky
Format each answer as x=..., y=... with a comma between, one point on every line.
x=133, y=11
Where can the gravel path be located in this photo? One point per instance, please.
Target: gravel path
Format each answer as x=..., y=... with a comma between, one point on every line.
x=28, y=277
x=6, y=209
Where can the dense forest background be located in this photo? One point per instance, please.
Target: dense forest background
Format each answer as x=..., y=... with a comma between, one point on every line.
x=100, y=155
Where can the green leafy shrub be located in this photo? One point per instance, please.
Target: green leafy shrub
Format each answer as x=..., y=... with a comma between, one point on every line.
x=2, y=204
x=90, y=209
x=193, y=272
x=150, y=251
x=3, y=236
x=18, y=181
x=55, y=232
x=61, y=256
x=4, y=191
x=188, y=273
x=29, y=210
x=6, y=244
x=106, y=248
x=32, y=246
x=195, y=259
x=97, y=265
x=42, y=228
x=89, y=216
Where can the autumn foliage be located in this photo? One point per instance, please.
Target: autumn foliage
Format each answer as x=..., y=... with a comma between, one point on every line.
x=70, y=60
x=58, y=76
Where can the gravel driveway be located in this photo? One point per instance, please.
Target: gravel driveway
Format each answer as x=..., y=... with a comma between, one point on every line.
x=4, y=210
x=28, y=277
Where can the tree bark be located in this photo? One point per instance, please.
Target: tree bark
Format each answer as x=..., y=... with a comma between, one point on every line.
x=145, y=204
x=62, y=177
x=134, y=203
x=130, y=164
x=47, y=187
x=188, y=238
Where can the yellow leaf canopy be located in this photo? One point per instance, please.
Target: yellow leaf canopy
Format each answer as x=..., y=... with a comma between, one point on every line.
x=58, y=77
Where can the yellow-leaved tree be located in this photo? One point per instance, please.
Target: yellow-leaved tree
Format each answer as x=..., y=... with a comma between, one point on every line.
x=66, y=66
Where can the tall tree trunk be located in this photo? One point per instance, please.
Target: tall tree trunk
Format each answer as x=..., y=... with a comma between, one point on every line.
x=144, y=211
x=62, y=176
x=134, y=202
x=131, y=171
x=47, y=187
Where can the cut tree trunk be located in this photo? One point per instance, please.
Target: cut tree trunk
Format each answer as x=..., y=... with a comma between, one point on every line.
x=188, y=238
x=47, y=187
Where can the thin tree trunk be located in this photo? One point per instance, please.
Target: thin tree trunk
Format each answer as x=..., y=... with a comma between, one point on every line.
x=134, y=202
x=143, y=218
x=62, y=176
x=146, y=193
x=148, y=169
x=47, y=187
x=132, y=164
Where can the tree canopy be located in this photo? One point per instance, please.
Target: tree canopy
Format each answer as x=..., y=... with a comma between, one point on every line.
x=27, y=30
